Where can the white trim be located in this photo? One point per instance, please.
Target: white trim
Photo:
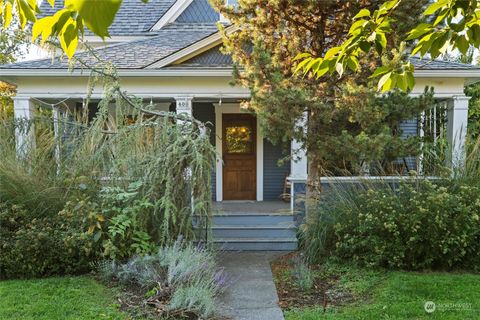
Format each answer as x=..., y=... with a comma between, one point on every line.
x=193, y=49
x=226, y=72
x=220, y=109
x=260, y=156
x=474, y=75
x=173, y=13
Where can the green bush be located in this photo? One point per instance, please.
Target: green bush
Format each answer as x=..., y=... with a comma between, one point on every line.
x=420, y=225
x=54, y=244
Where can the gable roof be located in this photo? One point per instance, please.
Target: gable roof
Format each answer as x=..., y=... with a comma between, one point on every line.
x=134, y=17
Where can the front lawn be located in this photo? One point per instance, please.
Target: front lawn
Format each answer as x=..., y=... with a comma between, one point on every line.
x=57, y=298
x=359, y=293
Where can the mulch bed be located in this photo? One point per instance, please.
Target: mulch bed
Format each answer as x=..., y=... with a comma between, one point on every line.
x=324, y=292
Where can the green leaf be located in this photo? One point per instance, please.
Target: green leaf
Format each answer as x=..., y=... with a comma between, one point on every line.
x=382, y=40
x=357, y=25
x=419, y=30
x=69, y=38
x=383, y=80
x=364, y=46
x=402, y=82
x=52, y=3
x=475, y=31
x=27, y=12
x=43, y=26
x=302, y=56
x=434, y=7
x=352, y=63
x=302, y=64
x=323, y=68
x=7, y=13
x=379, y=71
x=362, y=13
x=410, y=79
x=332, y=52
x=313, y=64
x=462, y=44
x=97, y=14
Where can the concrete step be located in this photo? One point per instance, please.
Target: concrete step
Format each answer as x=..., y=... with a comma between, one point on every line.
x=255, y=244
x=253, y=231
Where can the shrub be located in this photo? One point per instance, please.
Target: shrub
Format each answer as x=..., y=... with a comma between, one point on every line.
x=420, y=225
x=180, y=276
x=54, y=244
x=302, y=275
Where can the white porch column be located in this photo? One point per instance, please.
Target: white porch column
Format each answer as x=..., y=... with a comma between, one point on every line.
x=298, y=163
x=457, y=120
x=23, y=110
x=185, y=106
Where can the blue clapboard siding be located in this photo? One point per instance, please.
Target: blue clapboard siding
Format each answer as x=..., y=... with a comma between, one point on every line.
x=205, y=112
x=410, y=128
x=199, y=11
x=273, y=175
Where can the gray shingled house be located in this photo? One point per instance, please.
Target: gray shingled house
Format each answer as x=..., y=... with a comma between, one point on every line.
x=168, y=51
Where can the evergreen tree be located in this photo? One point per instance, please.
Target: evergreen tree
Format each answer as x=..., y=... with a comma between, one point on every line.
x=348, y=125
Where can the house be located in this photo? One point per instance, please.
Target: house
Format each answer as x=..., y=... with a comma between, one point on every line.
x=167, y=51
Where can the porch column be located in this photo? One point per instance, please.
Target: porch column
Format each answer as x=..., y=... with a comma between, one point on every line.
x=23, y=110
x=184, y=106
x=457, y=121
x=298, y=164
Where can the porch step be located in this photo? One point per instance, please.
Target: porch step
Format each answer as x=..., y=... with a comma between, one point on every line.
x=252, y=219
x=253, y=231
x=256, y=244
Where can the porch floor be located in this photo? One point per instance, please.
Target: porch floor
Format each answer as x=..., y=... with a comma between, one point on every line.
x=252, y=207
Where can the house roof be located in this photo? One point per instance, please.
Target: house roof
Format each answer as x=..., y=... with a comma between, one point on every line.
x=134, y=17
x=190, y=42
x=137, y=54
x=427, y=64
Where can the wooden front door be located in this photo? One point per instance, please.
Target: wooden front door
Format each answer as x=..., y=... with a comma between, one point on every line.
x=239, y=157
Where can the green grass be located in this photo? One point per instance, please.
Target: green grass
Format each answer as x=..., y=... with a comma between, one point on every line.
x=57, y=298
x=402, y=295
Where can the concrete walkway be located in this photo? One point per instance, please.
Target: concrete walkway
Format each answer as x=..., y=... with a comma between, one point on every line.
x=252, y=294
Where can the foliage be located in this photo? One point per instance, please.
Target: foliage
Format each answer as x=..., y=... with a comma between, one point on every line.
x=123, y=182
x=58, y=298
x=446, y=25
x=124, y=208
x=182, y=276
x=419, y=225
x=35, y=246
x=263, y=49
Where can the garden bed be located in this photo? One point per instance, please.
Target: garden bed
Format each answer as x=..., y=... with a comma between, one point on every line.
x=344, y=291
